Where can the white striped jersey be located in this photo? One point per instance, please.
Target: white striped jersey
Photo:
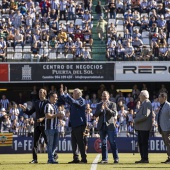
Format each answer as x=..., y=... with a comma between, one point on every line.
x=4, y=103
x=50, y=123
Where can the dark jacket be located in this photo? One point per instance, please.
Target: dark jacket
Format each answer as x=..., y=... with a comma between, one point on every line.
x=77, y=110
x=111, y=113
x=39, y=111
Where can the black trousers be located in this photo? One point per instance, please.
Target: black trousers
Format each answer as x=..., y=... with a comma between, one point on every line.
x=37, y=132
x=143, y=138
x=63, y=13
x=77, y=141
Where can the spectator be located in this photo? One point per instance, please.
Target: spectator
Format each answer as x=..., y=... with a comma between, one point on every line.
x=4, y=102
x=144, y=6
x=129, y=24
x=122, y=116
x=144, y=23
x=2, y=53
x=63, y=8
x=137, y=42
x=71, y=10
x=69, y=47
x=162, y=22
x=136, y=18
x=129, y=52
x=19, y=39
x=99, y=9
x=86, y=54
x=112, y=9
x=88, y=38
x=163, y=52
x=61, y=129
x=101, y=29
x=119, y=7
x=130, y=130
x=79, y=11
x=86, y=18
x=35, y=53
x=13, y=112
x=63, y=35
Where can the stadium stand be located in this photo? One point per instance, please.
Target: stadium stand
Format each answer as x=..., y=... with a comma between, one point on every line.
x=51, y=23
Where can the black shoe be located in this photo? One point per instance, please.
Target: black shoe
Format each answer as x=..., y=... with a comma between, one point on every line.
x=33, y=162
x=74, y=162
x=116, y=161
x=55, y=156
x=167, y=161
x=52, y=162
x=141, y=161
x=83, y=161
x=103, y=162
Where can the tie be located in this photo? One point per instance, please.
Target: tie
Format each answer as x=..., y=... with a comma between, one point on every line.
x=40, y=104
x=104, y=117
x=159, y=113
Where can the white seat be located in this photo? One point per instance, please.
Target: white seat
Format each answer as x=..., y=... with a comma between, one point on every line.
x=120, y=27
x=10, y=49
x=68, y=22
x=145, y=41
x=52, y=56
x=62, y=21
x=27, y=48
x=27, y=56
x=78, y=22
x=18, y=48
x=111, y=21
x=69, y=56
x=10, y=56
x=61, y=56
x=119, y=22
x=118, y=16
x=145, y=34
x=18, y=56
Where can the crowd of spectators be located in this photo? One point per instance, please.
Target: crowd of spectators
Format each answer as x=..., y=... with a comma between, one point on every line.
x=41, y=27
x=137, y=30
x=18, y=123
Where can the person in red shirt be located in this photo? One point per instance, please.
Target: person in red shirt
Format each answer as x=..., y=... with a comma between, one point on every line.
x=80, y=35
x=44, y=5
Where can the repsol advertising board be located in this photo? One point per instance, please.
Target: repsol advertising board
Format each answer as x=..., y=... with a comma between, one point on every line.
x=125, y=145
x=142, y=71
x=62, y=72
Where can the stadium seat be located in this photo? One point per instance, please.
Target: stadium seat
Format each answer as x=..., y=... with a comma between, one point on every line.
x=69, y=56
x=119, y=22
x=18, y=56
x=52, y=56
x=145, y=41
x=78, y=22
x=145, y=34
x=111, y=21
x=119, y=16
x=61, y=56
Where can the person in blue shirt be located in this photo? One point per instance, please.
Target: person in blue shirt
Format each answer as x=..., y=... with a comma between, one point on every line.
x=77, y=122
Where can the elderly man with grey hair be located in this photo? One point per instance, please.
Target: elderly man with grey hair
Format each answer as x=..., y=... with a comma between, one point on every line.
x=143, y=124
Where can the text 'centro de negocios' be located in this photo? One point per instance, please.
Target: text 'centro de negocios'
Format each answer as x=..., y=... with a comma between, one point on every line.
x=71, y=66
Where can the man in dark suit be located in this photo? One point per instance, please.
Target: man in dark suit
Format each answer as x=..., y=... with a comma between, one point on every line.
x=107, y=112
x=143, y=124
x=77, y=122
x=164, y=122
x=39, y=126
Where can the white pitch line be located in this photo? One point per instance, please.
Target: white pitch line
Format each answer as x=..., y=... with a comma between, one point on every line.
x=94, y=164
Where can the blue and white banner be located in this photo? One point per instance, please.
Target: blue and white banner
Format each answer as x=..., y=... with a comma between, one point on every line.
x=125, y=145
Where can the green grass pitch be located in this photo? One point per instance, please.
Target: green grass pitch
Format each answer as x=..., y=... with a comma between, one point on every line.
x=20, y=162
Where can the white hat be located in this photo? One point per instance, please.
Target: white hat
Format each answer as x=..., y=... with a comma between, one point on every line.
x=3, y=110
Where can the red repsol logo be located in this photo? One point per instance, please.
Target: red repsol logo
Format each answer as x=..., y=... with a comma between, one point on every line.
x=144, y=69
